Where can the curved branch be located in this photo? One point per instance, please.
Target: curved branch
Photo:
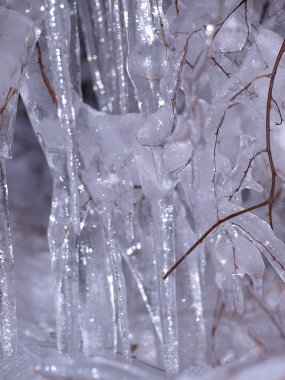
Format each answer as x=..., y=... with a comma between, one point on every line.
x=270, y=200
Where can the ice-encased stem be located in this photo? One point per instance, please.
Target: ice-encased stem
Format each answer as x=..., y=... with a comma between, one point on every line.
x=164, y=246
x=8, y=323
x=115, y=262
x=64, y=252
x=58, y=44
x=198, y=313
x=96, y=314
x=120, y=52
x=75, y=57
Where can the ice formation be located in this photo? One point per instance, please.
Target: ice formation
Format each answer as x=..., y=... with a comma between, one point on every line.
x=166, y=215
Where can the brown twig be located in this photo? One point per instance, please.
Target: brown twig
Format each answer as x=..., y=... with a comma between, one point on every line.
x=11, y=92
x=266, y=310
x=221, y=67
x=245, y=173
x=253, y=239
x=228, y=16
x=249, y=84
x=264, y=11
x=216, y=319
x=246, y=21
x=176, y=7
x=279, y=112
x=269, y=201
x=268, y=141
x=148, y=78
x=43, y=73
x=161, y=26
x=236, y=268
x=209, y=231
x=256, y=341
x=182, y=63
x=214, y=154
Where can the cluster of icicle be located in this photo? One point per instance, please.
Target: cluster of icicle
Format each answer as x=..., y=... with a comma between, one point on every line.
x=176, y=142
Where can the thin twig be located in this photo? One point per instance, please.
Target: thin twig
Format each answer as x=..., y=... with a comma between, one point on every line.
x=216, y=319
x=221, y=67
x=176, y=7
x=268, y=140
x=269, y=201
x=266, y=310
x=245, y=173
x=44, y=76
x=228, y=16
x=279, y=112
x=254, y=240
x=249, y=84
x=161, y=26
x=264, y=11
x=148, y=78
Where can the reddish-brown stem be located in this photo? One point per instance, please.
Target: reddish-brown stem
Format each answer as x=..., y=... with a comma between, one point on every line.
x=258, y=242
x=279, y=112
x=228, y=16
x=249, y=84
x=209, y=231
x=269, y=201
x=268, y=140
x=266, y=310
x=148, y=78
x=216, y=319
x=176, y=7
x=221, y=67
x=245, y=173
x=43, y=73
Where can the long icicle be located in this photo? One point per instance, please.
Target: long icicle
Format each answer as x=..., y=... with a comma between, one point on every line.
x=8, y=323
x=59, y=57
x=67, y=272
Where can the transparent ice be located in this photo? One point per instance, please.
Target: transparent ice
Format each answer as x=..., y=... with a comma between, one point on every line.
x=182, y=153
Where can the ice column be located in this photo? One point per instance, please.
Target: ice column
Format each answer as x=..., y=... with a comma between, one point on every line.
x=16, y=46
x=146, y=64
x=66, y=189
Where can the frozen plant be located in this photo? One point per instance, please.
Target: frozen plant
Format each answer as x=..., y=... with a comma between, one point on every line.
x=166, y=227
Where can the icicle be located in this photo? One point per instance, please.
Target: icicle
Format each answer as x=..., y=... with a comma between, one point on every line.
x=115, y=261
x=146, y=297
x=162, y=214
x=146, y=47
x=62, y=238
x=105, y=42
x=18, y=44
x=140, y=258
x=197, y=302
x=86, y=12
x=147, y=54
x=59, y=55
x=64, y=250
x=75, y=57
x=8, y=323
x=191, y=323
x=96, y=316
x=120, y=60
